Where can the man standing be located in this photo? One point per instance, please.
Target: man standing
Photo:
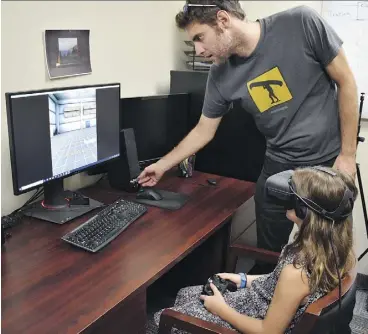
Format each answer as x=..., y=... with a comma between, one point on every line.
x=290, y=72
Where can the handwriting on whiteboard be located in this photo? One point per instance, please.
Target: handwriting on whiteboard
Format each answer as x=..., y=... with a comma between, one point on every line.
x=362, y=10
x=350, y=20
x=350, y=10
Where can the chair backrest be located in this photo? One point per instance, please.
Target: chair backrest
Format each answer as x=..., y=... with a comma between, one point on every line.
x=324, y=316
x=338, y=320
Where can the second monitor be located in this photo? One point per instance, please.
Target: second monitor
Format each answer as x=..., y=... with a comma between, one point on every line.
x=159, y=122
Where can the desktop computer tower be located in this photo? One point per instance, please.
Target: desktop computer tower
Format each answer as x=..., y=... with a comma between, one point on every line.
x=126, y=168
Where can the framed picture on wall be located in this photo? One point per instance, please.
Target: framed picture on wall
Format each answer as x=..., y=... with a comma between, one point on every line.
x=67, y=53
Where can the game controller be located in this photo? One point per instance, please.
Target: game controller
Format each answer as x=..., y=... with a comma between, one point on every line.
x=221, y=284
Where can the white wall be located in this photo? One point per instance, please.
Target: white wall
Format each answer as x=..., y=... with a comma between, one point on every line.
x=132, y=42
x=258, y=9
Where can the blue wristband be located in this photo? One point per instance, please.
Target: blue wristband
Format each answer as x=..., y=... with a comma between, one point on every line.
x=243, y=280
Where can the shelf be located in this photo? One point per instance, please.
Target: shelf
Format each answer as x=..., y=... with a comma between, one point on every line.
x=194, y=62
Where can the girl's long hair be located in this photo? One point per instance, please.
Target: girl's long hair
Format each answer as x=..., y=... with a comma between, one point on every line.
x=312, y=245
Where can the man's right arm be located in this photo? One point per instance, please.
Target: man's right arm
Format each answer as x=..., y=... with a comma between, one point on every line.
x=200, y=136
x=203, y=133
x=214, y=107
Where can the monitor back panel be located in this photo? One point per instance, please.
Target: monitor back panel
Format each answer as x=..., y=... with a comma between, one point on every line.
x=159, y=122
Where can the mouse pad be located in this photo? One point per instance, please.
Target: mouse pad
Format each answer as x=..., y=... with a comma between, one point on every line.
x=170, y=200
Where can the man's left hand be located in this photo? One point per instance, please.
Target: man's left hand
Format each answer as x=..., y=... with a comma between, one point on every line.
x=346, y=163
x=216, y=303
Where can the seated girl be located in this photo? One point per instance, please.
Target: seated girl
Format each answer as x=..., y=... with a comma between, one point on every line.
x=306, y=269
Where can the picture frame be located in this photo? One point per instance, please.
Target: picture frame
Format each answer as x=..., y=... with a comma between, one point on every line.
x=67, y=53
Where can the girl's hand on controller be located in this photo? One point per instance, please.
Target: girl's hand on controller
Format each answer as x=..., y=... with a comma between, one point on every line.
x=216, y=303
x=232, y=277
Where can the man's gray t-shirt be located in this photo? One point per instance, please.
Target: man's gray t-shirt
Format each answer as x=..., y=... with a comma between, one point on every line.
x=285, y=86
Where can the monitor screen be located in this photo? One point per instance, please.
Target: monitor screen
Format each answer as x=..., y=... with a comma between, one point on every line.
x=159, y=122
x=58, y=132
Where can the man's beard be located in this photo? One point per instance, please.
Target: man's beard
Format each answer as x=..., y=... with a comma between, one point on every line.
x=223, y=54
x=225, y=49
x=220, y=60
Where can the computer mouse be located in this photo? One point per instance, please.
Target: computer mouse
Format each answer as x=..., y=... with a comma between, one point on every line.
x=148, y=193
x=212, y=182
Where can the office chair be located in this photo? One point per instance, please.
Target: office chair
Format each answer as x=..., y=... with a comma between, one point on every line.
x=322, y=316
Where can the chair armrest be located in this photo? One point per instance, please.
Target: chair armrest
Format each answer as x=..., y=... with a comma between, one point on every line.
x=254, y=253
x=173, y=319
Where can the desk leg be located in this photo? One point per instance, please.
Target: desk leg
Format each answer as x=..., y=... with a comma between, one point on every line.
x=211, y=256
x=207, y=259
x=228, y=259
x=126, y=318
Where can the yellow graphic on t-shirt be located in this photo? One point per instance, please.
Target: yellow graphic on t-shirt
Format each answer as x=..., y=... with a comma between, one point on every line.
x=269, y=90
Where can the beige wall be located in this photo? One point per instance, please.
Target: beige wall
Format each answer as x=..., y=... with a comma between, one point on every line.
x=123, y=37
x=132, y=42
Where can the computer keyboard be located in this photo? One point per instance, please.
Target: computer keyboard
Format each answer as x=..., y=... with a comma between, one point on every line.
x=105, y=226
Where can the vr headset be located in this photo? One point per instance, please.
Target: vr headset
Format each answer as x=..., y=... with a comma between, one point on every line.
x=282, y=188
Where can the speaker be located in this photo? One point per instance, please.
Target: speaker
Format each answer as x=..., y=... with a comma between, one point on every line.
x=126, y=168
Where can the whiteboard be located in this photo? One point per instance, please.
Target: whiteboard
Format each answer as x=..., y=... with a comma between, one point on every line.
x=350, y=21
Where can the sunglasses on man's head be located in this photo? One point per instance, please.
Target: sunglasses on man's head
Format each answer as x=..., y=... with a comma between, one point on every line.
x=187, y=6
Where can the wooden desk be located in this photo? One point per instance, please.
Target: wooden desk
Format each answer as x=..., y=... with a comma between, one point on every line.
x=49, y=286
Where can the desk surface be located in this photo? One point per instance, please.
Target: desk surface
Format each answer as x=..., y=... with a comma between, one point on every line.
x=49, y=284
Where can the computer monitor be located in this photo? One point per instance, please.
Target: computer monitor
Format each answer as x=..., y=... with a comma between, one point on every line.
x=160, y=122
x=58, y=132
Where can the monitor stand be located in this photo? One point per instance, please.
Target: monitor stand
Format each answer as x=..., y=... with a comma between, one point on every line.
x=57, y=206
